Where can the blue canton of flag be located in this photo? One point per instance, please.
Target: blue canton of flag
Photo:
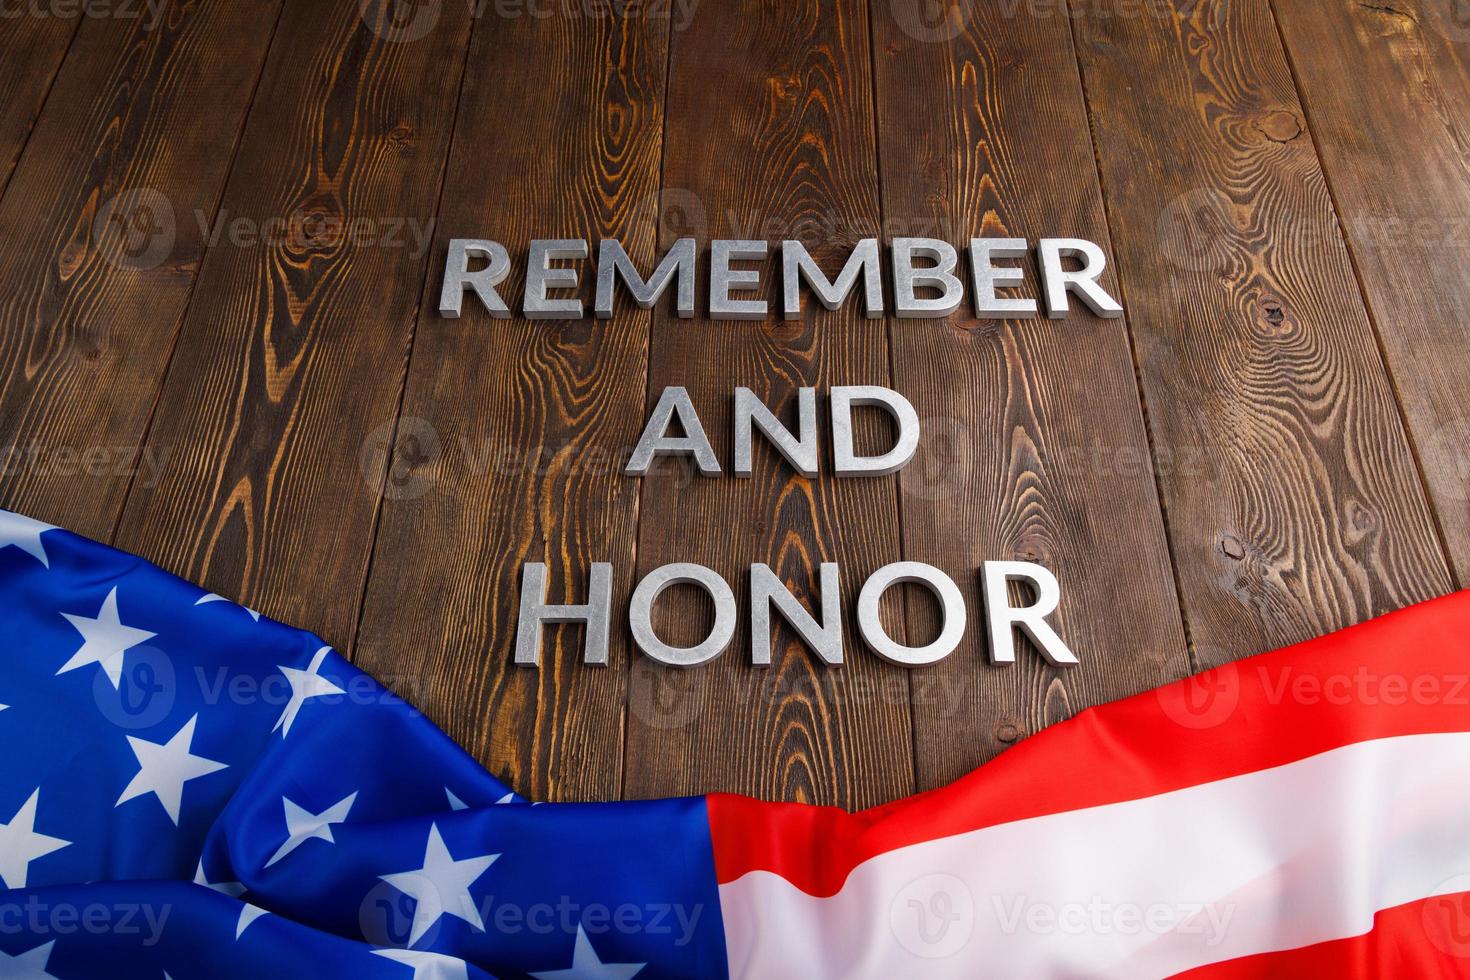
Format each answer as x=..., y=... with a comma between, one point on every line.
x=188, y=789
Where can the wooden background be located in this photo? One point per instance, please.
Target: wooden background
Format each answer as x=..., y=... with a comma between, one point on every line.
x=1270, y=446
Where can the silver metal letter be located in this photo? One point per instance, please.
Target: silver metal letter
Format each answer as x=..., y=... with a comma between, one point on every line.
x=541, y=277
x=845, y=461
x=797, y=264
x=1056, y=281
x=613, y=263
x=536, y=612
x=640, y=614
x=751, y=413
x=907, y=280
x=723, y=280
x=1001, y=615
x=951, y=614
x=656, y=441
x=767, y=590
x=457, y=276
x=988, y=277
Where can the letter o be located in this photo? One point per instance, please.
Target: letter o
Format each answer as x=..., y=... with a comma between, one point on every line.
x=640, y=614
x=951, y=613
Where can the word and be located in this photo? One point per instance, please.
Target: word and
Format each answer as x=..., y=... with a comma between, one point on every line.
x=800, y=449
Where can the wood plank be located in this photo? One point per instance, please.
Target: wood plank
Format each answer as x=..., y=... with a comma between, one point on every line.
x=1035, y=447
x=519, y=424
x=34, y=47
x=782, y=147
x=103, y=246
x=1253, y=343
x=284, y=389
x=1386, y=87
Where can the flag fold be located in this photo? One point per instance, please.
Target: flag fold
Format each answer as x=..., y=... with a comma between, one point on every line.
x=189, y=789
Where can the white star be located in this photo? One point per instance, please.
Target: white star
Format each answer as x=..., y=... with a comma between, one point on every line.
x=30, y=965
x=442, y=886
x=204, y=600
x=20, y=844
x=302, y=825
x=586, y=965
x=164, y=769
x=231, y=888
x=105, y=639
x=426, y=965
x=248, y=914
x=25, y=534
x=304, y=684
x=455, y=803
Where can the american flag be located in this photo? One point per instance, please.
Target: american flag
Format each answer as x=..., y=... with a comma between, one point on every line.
x=188, y=789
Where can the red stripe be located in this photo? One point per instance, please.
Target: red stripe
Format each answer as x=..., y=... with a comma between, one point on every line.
x=1402, y=674
x=1427, y=938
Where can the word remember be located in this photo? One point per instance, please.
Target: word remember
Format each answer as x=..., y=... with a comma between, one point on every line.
x=923, y=272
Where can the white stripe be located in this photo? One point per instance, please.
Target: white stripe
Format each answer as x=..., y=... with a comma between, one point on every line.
x=1272, y=860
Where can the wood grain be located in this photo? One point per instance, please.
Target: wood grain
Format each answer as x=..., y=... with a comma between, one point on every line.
x=1387, y=89
x=321, y=444
x=782, y=147
x=279, y=409
x=1253, y=343
x=103, y=249
x=560, y=138
x=34, y=47
x=1035, y=447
